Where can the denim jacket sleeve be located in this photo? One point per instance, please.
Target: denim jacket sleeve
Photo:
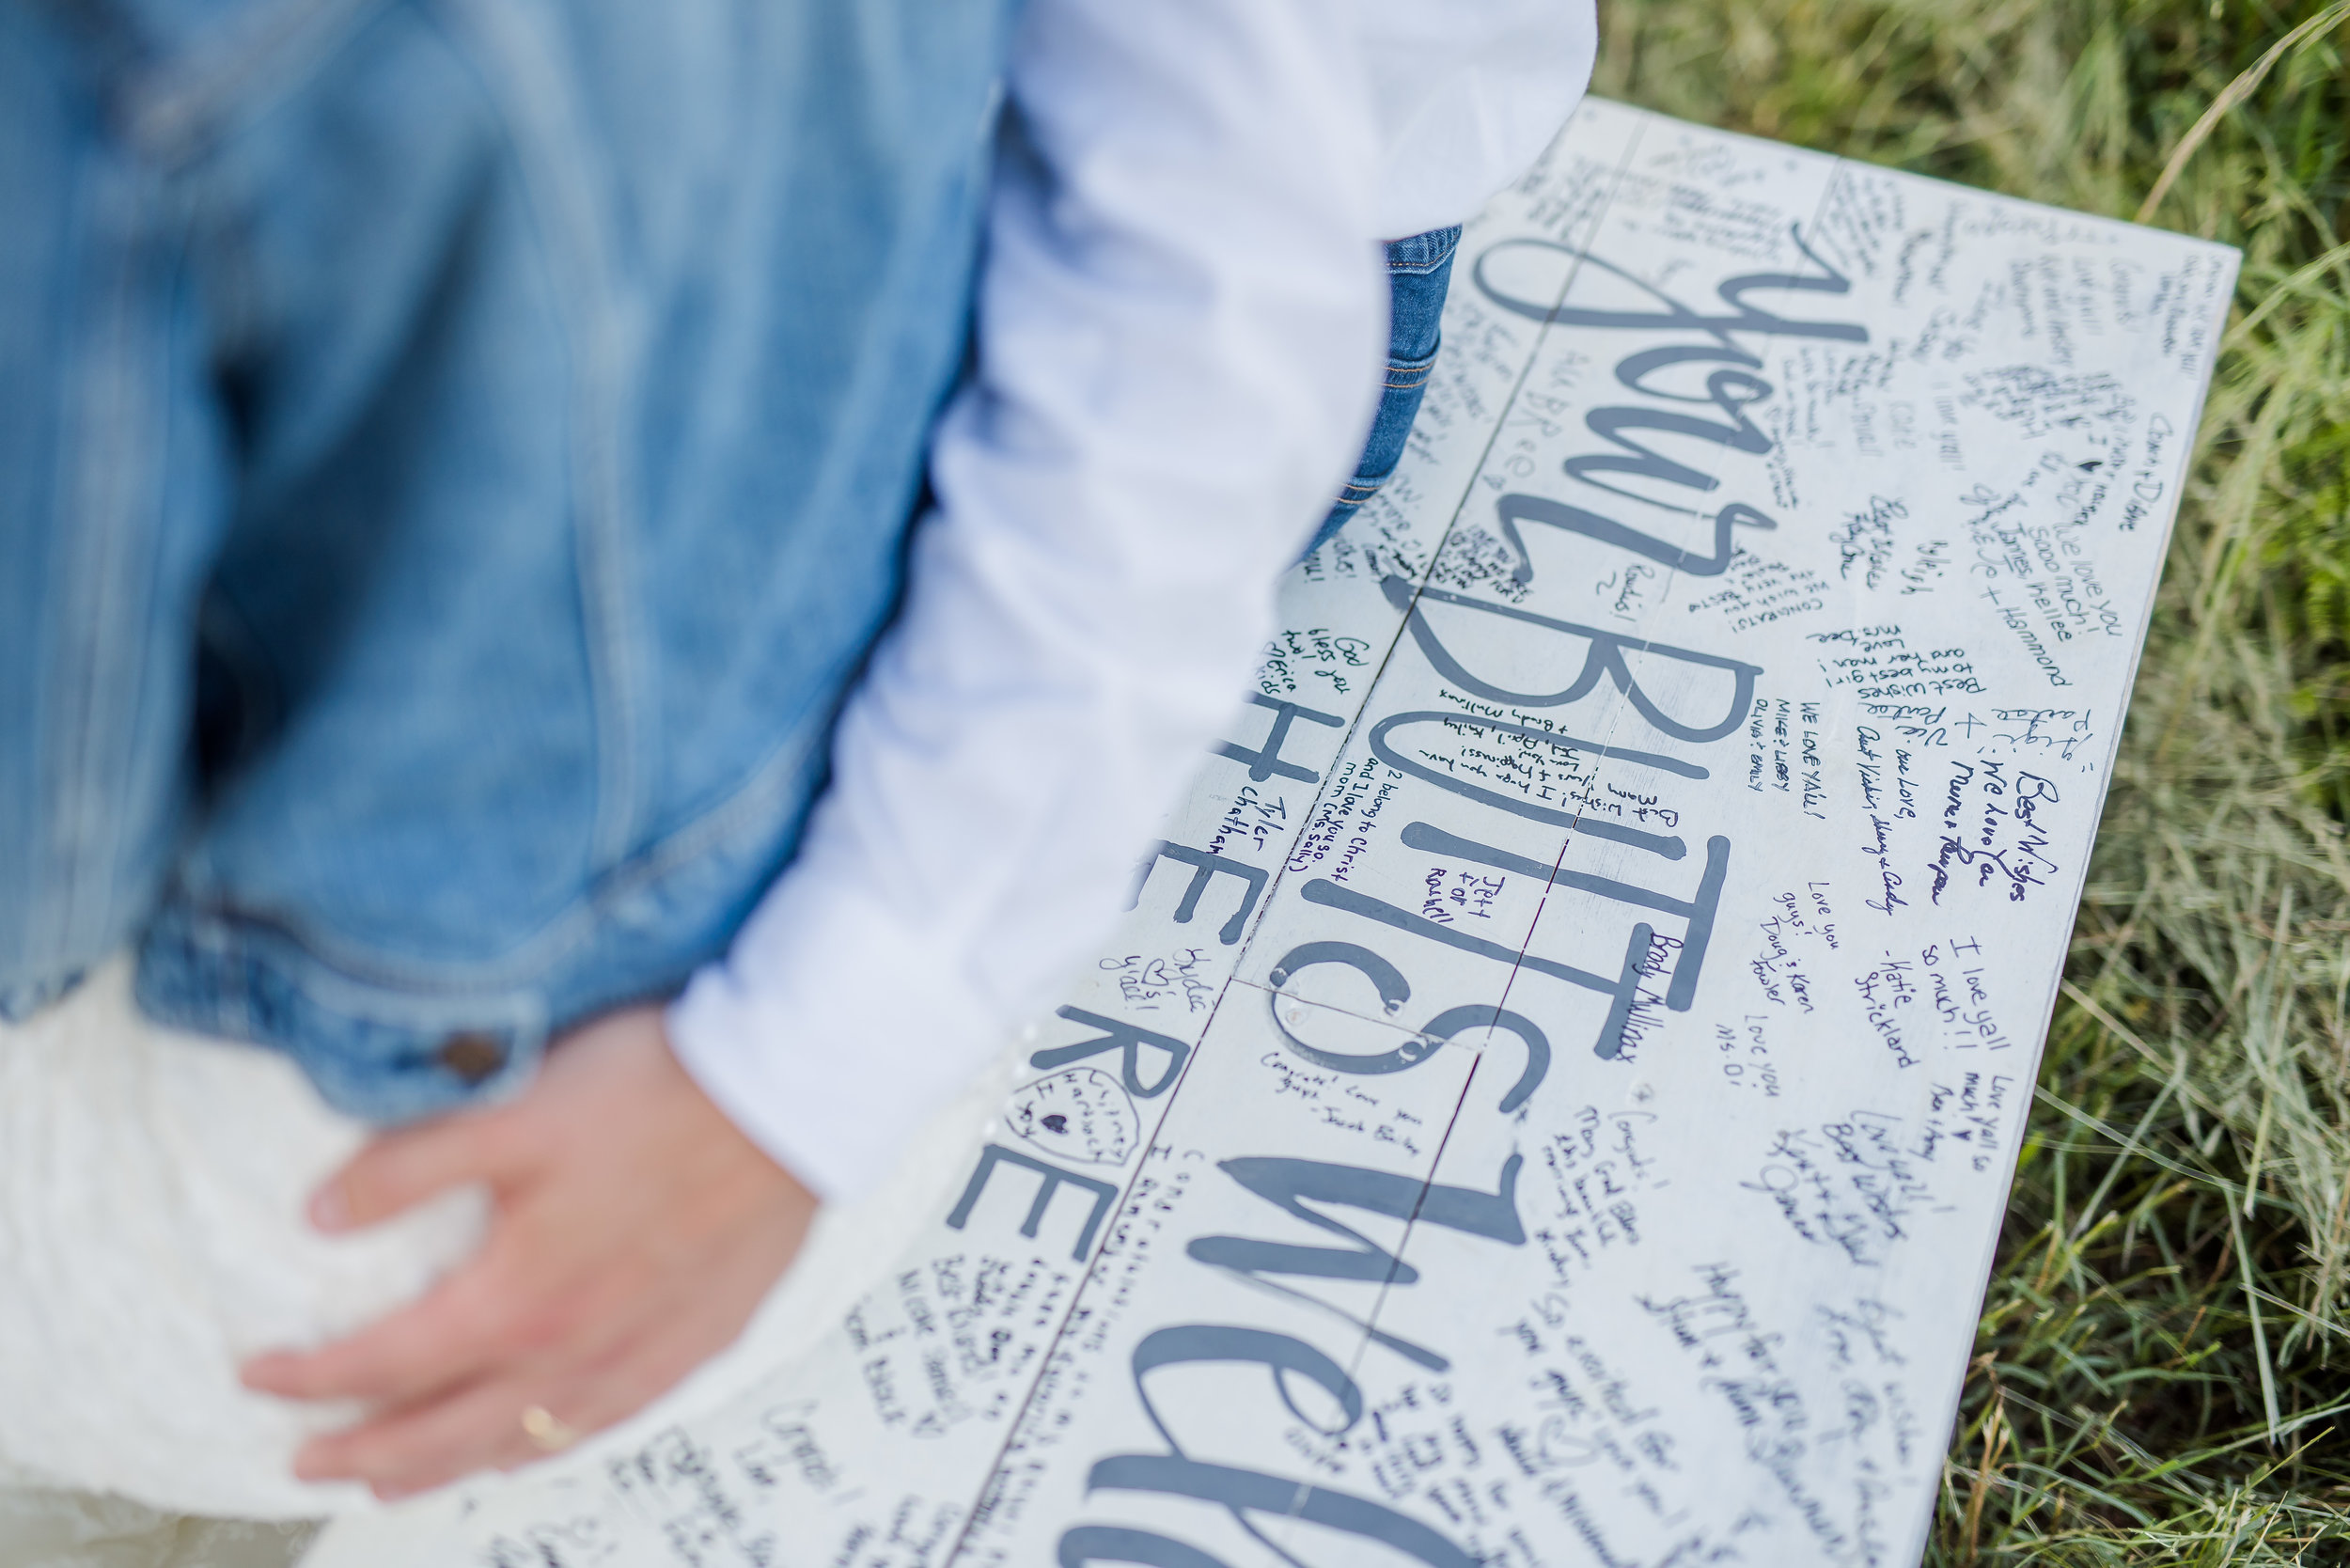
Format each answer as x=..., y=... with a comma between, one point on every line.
x=1178, y=332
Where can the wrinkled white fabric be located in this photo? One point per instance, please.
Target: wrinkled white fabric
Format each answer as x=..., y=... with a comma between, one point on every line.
x=153, y=1238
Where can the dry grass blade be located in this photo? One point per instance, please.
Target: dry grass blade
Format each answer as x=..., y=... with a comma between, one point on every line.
x=2233, y=94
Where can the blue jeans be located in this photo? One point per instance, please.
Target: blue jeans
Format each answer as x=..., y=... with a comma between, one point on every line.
x=454, y=455
x=1419, y=270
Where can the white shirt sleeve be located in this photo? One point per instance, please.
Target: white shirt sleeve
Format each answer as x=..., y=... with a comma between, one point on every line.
x=1467, y=93
x=1179, y=329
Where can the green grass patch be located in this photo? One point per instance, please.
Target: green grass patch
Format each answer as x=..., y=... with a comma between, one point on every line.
x=2162, y=1375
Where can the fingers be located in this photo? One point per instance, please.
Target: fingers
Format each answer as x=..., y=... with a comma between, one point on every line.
x=520, y=1297
x=399, y=1169
x=458, y=1329
x=454, y=1433
x=403, y=1451
x=633, y=1232
x=419, y=1446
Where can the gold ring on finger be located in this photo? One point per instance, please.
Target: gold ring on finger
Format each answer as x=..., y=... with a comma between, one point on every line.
x=548, y=1431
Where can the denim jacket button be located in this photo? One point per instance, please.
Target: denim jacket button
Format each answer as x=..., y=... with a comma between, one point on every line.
x=472, y=1056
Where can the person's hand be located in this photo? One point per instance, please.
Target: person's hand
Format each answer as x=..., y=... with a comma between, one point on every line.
x=633, y=1229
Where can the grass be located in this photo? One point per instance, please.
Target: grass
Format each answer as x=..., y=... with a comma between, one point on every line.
x=2163, y=1367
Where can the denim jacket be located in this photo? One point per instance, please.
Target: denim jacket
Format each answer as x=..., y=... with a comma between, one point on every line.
x=456, y=455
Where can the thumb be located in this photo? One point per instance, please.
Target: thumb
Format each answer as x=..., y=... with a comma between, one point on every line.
x=397, y=1170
